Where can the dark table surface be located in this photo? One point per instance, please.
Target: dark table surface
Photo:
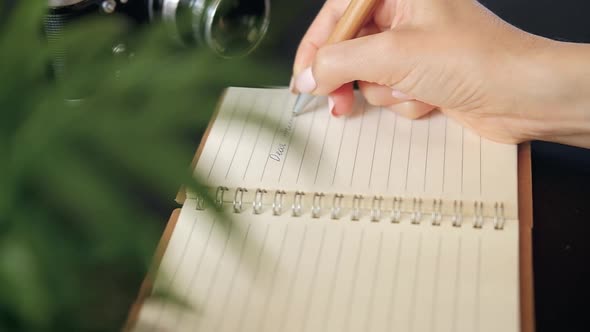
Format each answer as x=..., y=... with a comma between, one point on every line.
x=561, y=250
x=561, y=177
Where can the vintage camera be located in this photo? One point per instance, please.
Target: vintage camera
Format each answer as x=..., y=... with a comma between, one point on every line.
x=227, y=27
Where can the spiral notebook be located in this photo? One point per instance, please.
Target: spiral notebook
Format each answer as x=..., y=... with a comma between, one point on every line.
x=371, y=222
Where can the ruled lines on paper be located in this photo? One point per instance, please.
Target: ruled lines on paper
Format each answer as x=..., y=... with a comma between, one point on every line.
x=257, y=142
x=289, y=274
x=285, y=273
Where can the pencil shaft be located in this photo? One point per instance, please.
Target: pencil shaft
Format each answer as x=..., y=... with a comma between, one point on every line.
x=355, y=16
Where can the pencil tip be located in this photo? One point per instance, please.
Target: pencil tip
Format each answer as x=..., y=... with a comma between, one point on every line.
x=301, y=102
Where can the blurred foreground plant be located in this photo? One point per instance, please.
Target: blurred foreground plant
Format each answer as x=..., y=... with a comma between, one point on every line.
x=82, y=182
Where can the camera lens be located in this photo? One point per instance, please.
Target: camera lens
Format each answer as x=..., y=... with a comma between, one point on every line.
x=228, y=27
x=235, y=27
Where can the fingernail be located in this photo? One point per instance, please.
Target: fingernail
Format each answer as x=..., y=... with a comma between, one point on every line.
x=331, y=106
x=400, y=95
x=305, y=82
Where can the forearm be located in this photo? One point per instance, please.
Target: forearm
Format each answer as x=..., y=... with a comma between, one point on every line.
x=565, y=115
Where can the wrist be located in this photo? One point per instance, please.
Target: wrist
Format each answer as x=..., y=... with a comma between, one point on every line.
x=560, y=111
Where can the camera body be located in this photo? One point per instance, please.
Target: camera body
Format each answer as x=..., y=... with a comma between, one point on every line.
x=229, y=28
x=140, y=11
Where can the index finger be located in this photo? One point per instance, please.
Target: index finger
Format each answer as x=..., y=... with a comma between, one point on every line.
x=318, y=33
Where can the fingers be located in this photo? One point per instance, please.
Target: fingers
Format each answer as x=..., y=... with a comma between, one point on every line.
x=412, y=109
x=318, y=33
x=342, y=100
x=376, y=58
x=379, y=95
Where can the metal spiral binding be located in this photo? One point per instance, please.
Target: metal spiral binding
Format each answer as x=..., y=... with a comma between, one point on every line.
x=396, y=211
x=336, y=206
x=457, y=213
x=416, y=215
x=238, y=198
x=478, y=214
x=499, y=218
x=200, y=203
x=297, y=204
x=436, y=212
x=376, y=208
x=277, y=204
x=219, y=195
x=355, y=214
x=257, y=204
x=414, y=210
x=316, y=207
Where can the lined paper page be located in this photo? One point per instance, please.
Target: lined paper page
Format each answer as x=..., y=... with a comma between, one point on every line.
x=281, y=273
x=256, y=142
x=270, y=272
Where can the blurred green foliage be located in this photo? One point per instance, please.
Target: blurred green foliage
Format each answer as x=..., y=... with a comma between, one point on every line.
x=83, y=182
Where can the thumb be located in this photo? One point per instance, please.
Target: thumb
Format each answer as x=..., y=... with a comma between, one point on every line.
x=377, y=58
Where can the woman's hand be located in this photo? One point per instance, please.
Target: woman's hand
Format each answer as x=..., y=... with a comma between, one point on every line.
x=417, y=55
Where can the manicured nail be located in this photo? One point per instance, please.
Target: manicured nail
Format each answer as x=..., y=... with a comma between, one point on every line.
x=305, y=82
x=331, y=106
x=400, y=95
